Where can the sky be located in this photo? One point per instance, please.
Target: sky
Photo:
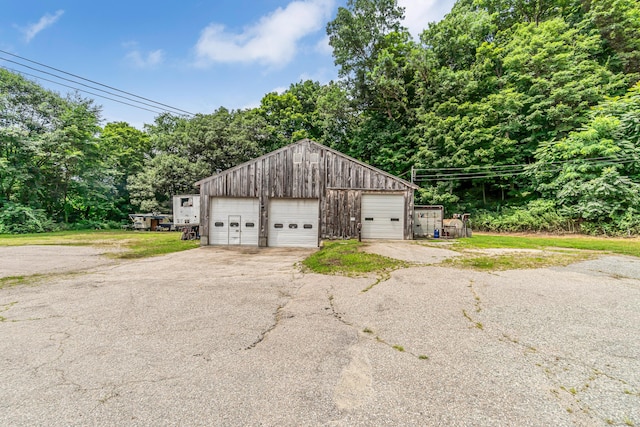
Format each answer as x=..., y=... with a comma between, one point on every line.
x=191, y=55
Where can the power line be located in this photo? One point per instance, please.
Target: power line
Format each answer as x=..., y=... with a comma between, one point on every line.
x=521, y=165
x=513, y=172
x=81, y=90
x=82, y=84
x=91, y=81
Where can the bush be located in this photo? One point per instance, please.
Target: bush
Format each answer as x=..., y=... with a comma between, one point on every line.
x=19, y=219
x=627, y=224
x=536, y=216
x=87, y=224
x=543, y=216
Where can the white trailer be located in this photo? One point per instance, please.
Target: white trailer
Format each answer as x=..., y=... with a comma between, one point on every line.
x=186, y=210
x=151, y=221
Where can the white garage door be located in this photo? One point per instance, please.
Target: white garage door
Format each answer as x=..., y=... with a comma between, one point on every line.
x=234, y=221
x=383, y=216
x=293, y=223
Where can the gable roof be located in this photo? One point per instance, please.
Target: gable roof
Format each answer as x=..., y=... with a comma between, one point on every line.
x=321, y=146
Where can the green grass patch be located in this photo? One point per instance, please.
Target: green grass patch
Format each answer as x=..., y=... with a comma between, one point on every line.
x=517, y=261
x=117, y=244
x=7, y=282
x=622, y=246
x=346, y=257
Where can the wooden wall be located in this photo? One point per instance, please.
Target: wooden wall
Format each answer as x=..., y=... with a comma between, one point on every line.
x=335, y=179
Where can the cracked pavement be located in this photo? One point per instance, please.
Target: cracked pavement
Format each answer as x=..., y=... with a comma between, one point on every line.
x=217, y=336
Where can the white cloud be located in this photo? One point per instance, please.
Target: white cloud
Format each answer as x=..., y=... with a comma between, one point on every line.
x=46, y=21
x=250, y=105
x=323, y=47
x=419, y=13
x=143, y=60
x=322, y=75
x=273, y=40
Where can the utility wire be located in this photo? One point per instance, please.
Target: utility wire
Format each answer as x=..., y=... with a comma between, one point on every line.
x=91, y=81
x=510, y=173
x=90, y=87
x=500, y=166
x=81, y=90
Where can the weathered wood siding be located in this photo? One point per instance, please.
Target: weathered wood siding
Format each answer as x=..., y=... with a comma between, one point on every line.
x=305, y=170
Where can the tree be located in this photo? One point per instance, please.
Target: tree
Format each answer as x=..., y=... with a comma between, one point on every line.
x=49, y=157
x=337, y=119
x=455, y=39
x=69, y=161
x=186, y=150
x=619, y=24
x=507, y=13
x=164, y=176
x=123, y=150
x=357, y=35
x=594, y=173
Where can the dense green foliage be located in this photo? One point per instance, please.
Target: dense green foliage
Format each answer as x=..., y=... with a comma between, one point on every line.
x=525, y=113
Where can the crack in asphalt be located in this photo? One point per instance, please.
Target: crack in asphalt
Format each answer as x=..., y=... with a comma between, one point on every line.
x=334, y=312
x=568, y=397
x=278, y=315
x=277, y=318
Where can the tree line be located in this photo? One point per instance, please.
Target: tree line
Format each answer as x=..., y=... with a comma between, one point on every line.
x=525, y=113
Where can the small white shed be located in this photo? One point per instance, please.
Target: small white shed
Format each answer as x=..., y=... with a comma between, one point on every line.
x=427, y=219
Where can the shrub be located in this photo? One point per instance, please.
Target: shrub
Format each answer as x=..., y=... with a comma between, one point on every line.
x=88, y=224
x=18, y=219
x=538, y=215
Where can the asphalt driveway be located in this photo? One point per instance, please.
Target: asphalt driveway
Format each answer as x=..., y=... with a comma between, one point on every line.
x=230, y=337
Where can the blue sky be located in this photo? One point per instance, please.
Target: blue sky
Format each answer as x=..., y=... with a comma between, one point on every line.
x=193, y=55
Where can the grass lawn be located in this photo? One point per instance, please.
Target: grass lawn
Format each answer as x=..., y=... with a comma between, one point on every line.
x=345, y=257
x=553, y=250
x=118, y=244
x=622, y=246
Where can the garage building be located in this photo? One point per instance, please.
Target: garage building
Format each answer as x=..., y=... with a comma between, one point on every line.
x=300, y=194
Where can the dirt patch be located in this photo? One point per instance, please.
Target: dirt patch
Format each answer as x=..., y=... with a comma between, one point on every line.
x=410, y=251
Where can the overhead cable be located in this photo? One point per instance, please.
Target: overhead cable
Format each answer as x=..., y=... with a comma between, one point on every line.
x=513, y=172
x=81, y=90
x=159, y=105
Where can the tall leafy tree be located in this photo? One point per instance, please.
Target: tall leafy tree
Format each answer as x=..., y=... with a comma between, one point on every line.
x=618, y=21
x=123, y=149
x=357, y=35
x=185, y=150
x=594, y=174
x=50, y=159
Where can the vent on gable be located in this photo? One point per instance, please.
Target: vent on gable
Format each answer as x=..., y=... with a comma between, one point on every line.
x=297, y=157
x=314, y=158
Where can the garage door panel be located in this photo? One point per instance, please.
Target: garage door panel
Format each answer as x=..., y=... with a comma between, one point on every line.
x=234, y=221
x=383, y=216
x=293, y=223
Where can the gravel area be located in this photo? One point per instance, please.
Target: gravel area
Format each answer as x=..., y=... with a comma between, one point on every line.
x=238, y=337
x=411, y=251
x=27, y=260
